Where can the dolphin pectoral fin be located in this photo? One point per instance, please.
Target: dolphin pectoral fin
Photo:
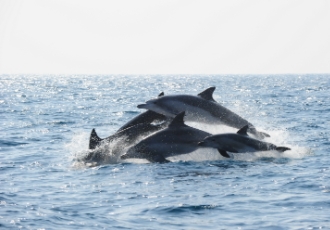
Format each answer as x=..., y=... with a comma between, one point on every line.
x=161, y=160
x=94, y=140
x=243, y=131
x=141, y=106
x=282, y=148
x=223, y=153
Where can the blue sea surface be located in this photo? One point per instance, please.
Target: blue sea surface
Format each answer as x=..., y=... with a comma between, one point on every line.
x=45, y=126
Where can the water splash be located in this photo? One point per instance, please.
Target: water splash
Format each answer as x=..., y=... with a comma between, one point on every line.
x=109, y=153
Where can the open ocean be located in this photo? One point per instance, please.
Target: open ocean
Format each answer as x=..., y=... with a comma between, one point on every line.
x=45, y=126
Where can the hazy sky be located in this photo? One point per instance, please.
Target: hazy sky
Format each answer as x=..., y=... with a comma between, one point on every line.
x=164, y=36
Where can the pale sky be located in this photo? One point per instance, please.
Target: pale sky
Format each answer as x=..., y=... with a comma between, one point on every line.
x=164, y=36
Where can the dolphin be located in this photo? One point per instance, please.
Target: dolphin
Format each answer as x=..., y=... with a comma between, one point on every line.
x=238, y=143
x=201, y=108
x=128, y=137
x=174, y=140
x=145, y=117
x=150, y=116
x=131, y=134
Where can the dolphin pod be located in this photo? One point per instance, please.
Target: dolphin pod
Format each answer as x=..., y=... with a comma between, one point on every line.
x=161, y=132
x=141, y=125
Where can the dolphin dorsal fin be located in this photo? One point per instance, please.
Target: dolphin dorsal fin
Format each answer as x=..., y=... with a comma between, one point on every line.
x=178, y=120
x=207, y=94
x=243, y=131
x=161, y=94
x=94, y=140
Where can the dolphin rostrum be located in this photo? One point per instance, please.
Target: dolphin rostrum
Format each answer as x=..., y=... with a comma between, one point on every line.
x=174, y=140
x=201, y=108
x=238, y=143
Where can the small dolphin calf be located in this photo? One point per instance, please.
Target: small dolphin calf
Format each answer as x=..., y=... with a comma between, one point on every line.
x=201, y=108
x=238, y=143
x=176, y=139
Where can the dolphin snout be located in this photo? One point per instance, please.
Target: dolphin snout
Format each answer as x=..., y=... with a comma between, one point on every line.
x=142, y=106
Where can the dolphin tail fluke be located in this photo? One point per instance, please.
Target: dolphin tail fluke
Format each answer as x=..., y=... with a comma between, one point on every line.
x=94, y=140
x=223, y=153
x=282, y=148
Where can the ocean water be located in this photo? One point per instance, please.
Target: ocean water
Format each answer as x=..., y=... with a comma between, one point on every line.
x=45, y=126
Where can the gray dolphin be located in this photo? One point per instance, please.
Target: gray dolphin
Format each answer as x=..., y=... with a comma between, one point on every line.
x=201, y=108
x=150, y=116
x=238, y=143
x=137, y=128
x=131, y=134
x=127, y=136
x=174, y=140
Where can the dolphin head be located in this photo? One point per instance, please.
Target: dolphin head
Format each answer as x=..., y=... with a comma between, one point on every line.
x=148, y=105
x=158, y=105
x=209, y=141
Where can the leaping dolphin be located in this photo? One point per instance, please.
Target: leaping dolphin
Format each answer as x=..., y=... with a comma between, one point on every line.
x=150, y=116
x=201, y=108
x=127, y=138
x=130, y=134
x=238, y=143
x=174, y=140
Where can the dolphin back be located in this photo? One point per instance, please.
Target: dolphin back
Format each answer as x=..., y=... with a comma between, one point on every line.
x=145, y=117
